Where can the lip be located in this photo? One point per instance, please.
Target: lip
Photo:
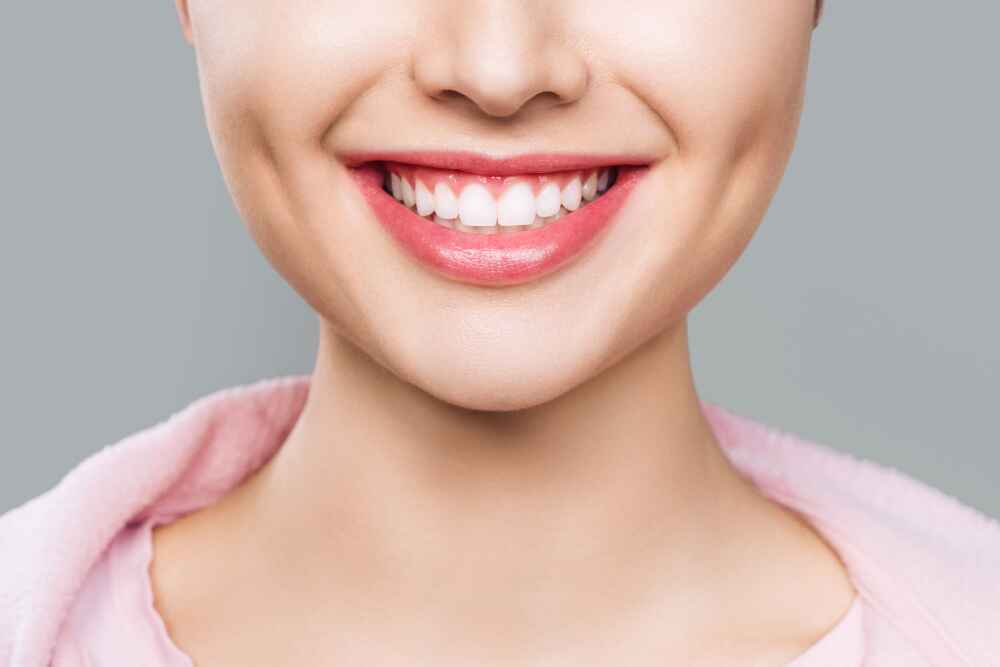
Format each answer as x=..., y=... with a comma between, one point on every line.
x=499, y=259
x=486, y=165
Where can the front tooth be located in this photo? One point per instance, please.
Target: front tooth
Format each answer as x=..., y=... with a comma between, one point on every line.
x=548, y=201
x=590, y=187
x=396, y=186
x=571, y=194
x=517, y=206
x=425, y=200
x=445, y=203
x=409, y=197
x=476, y=207
x=602, y=181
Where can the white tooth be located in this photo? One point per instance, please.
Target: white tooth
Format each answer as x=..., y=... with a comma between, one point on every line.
x=571, y=194
x=425, y=200
x=590, y=187
x=476, y=207
x=602, y=181
x=548, y=201
x=396, y=186
x=409, y=197
x=517, y=206
x=445, y=203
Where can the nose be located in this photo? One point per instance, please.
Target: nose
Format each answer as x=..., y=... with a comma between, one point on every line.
x=499, y=55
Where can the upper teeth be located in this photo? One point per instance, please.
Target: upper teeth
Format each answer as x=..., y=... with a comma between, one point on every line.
x=517, y=206
x=522, y=202
x=476, y=206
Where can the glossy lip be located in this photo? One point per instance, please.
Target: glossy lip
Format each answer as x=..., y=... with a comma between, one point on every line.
x=503, y=258
x=486, y=165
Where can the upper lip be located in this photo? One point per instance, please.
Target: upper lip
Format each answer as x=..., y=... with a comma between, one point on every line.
x=490, y=165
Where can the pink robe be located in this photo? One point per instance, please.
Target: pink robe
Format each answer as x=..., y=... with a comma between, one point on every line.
x=926, y=566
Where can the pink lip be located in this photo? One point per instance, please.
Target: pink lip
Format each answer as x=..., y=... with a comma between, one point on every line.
x=503, y=258
x=477, y=163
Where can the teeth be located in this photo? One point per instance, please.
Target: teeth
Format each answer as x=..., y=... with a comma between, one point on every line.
x=445, y=203
x=571, y=194
x=476, y=207
x=396, y=186
x=548, y=201
x=590, y=187
x=425, y=200
x=517, y=206
x=409, y=197
x=602, y=181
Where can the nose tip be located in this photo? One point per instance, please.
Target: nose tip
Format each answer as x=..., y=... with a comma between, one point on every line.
x=500, y=63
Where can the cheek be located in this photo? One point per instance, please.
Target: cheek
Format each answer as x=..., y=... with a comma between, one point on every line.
x=728, y=83
x=727, y=78
x=284, y=71
x=723, y=75
x=275, y=76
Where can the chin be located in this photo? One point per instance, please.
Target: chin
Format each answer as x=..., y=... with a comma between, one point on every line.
x=497, y=377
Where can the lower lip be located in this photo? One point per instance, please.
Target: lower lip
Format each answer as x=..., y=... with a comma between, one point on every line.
x=504, y=258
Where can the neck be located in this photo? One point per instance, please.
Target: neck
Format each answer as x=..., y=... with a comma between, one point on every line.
x=618, y=482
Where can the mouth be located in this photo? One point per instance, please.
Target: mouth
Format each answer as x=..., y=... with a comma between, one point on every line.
x=494, y=222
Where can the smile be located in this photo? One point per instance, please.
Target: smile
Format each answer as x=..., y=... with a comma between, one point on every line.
x=494, y=222
x=488, y=205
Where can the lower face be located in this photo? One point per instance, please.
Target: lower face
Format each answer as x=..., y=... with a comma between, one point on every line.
x=498, y=201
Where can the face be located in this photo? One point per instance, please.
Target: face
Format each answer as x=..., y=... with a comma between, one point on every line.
x=312, y=104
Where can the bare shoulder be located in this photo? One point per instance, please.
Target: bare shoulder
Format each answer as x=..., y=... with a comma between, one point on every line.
x=811, y=589
x=193, y=571
x=180, y=574
x=792, y=584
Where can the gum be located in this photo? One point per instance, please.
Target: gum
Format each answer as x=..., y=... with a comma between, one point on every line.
x=496, y=185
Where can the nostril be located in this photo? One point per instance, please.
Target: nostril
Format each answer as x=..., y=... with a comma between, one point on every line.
x=484, y=102
x=448, y=94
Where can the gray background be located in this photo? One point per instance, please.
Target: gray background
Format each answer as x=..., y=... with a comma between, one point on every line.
x=863, y=315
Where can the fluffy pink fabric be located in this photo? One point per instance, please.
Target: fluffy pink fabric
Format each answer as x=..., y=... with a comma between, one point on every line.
x=926, y=565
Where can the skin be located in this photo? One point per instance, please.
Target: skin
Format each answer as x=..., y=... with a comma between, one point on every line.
x=497, y=476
